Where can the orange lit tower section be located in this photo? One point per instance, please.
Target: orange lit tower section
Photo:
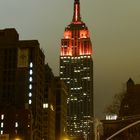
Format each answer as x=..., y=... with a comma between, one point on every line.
x=76, y=69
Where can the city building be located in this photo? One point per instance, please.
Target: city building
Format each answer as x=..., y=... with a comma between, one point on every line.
x=128, y=128
x=54, y=107
x=21, y=79
x=15, y=123
x=130, y=104
x=76, y=70
x=128, y=121
x=49, y=106
x=61, y=92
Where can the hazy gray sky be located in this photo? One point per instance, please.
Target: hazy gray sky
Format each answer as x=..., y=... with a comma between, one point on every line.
x=114, y=28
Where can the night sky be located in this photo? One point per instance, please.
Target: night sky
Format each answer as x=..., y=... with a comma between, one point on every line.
x=114, y=29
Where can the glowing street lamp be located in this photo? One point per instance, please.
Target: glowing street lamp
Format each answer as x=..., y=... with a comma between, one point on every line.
x=17, y=139
x=66, y=139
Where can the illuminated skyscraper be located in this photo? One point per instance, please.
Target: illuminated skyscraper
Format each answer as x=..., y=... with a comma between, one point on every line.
x=76, y=69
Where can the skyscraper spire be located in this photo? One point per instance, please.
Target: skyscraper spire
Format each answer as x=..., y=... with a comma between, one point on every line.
x=76, y=70
x=76, y=15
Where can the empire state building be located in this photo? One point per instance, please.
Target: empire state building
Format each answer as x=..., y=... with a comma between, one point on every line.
x=76, y=70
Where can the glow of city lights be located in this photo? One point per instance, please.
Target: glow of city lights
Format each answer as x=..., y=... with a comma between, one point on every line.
x=30, y=94
x=30, y=86
x=76, y=13
x=31, y=64
x=67, y=34
x=17, y=139
x=111, y=117
x=2, y=124
x=30, y=101
x=30, y=79
x=16, y=124
x=83, y=34
x=31, y=72
x=45, y=105
x=2, y=116
x=1, y=132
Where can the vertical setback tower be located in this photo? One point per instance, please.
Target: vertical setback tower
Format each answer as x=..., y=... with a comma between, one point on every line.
x=76, y=69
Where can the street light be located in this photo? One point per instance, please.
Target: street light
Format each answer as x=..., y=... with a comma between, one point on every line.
x=17, y=139
x=65, y=138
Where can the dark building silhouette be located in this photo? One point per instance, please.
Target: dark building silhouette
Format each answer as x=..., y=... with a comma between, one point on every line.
x=21, y=81
x=49, y=106
x=16, y=123
x=129, y=113
x=76, y=70
x=61, y=92
x=55, y=107
x=112, y=126
x=130, y=104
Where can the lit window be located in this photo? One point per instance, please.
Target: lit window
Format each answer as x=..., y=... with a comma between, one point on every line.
x=30, y=86
x=30, y=94
x=30, y=101
x=2, y=124
x=31, y=72
x=1, y=132
x=30, y=79
x=16, y=124
x=61, y=66
x=2, y=116
x=31, y=65
x=52, y=108
x=45, y=105
x=111, y=117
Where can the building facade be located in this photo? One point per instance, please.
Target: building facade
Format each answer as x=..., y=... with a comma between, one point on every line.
x=16, y=123
x=49, y=106
x=76, y=70
x=130, y=132
x=22, y=77
x=129, y=116
x=54, y=107
x=130, y=104
x=61, y=92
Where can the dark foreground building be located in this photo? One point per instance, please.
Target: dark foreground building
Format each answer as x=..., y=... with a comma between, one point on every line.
x=110, y=127
x=129, y=116
x=76, y=69
x=54, y=107
x=21, y=83
x=61, y=92
x=15, y=123
x=130, y=104
x=49, y=106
